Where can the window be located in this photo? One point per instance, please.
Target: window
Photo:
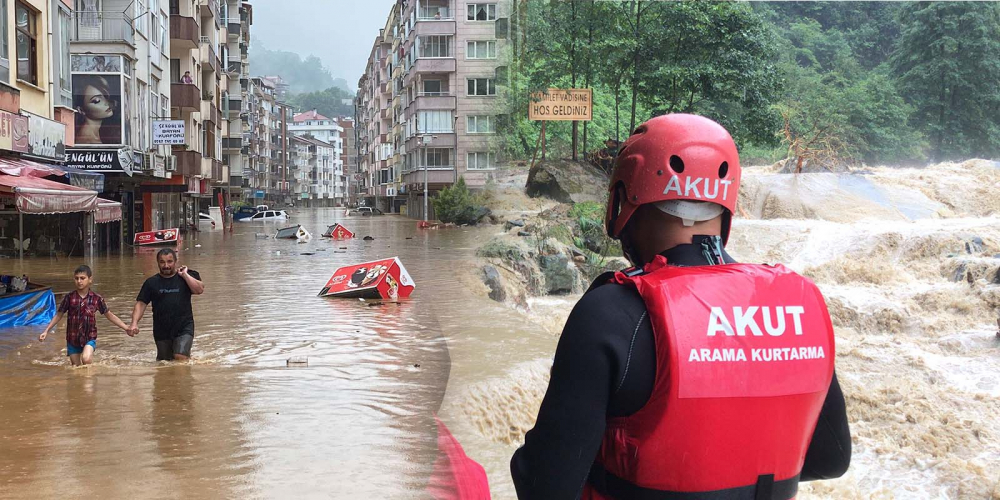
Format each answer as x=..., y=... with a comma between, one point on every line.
x=165, y=106
x=435, y=157
x=482, y=12
x=434, y=121
x=482, y=86
x=27, y=44
x=432, y=87
x=154, y=98
x=484, y=49
x=433, y=12
x=481, y=124
x=434, y=46
x=154, y=21
x=140, y=17
x=480, y=161
x=4, y=47
x=64, y=63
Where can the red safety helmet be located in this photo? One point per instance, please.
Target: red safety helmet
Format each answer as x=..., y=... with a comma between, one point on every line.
x=674, y=157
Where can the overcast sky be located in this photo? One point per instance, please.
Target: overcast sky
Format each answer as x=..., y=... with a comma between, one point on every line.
x=340, y=32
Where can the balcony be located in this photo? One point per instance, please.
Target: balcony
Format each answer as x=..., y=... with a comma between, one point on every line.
x=113, y=27
x=428, y=12
x=185, y=96
x=184, y=32
x=210, y=8
x=433, y=27
x=208, y=54
x=235, y=107
x=219, y=172
x=430, y=65
x=234, y=66
x=233, y=26
x=188, y=162
x=434, y=100
x=436, y=176
x=438, y=140
x=232, y=143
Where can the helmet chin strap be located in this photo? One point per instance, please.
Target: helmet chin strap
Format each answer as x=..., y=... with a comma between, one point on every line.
x=629, y=251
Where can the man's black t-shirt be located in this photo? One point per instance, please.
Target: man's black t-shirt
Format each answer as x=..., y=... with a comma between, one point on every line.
x=171, y=298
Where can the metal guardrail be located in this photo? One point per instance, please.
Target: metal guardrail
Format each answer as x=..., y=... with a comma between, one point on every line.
x=102, y=27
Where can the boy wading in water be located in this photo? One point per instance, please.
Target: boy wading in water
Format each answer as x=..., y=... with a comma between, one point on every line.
x=81, y=308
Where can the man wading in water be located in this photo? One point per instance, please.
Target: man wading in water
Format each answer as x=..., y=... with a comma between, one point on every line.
x=689, y=376
x=170, y=292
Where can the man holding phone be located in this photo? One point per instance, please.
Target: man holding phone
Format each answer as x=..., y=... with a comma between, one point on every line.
x=170, y=293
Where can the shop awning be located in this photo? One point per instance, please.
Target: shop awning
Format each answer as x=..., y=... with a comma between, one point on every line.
x=26, y=168
x=107, y=211
x=34, y=195
x=84, y=179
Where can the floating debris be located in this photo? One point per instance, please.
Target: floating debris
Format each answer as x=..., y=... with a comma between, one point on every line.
x=297, y=361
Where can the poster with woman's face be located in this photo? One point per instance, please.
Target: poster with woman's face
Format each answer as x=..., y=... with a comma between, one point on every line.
x=97, y=100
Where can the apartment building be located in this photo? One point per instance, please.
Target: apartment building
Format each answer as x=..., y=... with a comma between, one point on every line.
x=314, y=172
x=236, y=136
x=37, y=124
x=120, y=52
x=311, y=124
x=349, y=160
x=427, y=106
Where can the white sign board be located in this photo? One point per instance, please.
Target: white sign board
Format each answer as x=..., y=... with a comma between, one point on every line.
x=169, y=132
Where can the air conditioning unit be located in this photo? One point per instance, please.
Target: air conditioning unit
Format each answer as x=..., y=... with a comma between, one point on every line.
x=147, y=161
x=171, y=164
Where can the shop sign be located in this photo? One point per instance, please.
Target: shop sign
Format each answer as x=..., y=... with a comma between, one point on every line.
x=46, y=138
x=13, y=132
x=160, y=167
x=169, y=132
x=101, y=160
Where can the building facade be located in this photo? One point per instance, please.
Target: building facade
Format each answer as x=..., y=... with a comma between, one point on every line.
x=120, y=55
x=426, y=105
x=331, y=190
x=236, y=143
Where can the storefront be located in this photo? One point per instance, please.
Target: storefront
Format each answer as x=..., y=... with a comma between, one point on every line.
x=42, y=217
x=121, y=181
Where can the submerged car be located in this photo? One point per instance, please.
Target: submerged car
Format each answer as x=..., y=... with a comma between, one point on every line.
x=266, y=215
x=365, y=211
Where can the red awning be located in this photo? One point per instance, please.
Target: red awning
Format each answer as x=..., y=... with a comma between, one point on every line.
x=34, y=195
x=26, y=168
x=107, y=211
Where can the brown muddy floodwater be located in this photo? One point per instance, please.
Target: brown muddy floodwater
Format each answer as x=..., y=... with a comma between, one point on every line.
x=236, y=422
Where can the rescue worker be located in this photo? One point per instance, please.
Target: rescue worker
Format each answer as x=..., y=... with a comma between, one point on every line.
x=688, y=376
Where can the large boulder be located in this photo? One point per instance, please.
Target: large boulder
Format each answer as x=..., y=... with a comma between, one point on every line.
x=561, y=276
x=492, y=279
x=567, y=181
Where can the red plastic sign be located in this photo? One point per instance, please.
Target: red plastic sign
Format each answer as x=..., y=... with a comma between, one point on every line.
x=161, y=237
x=386, y=279
x=338, y=232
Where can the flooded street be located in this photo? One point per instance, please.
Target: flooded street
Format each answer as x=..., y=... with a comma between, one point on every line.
x=358, y=422
x=914, y=303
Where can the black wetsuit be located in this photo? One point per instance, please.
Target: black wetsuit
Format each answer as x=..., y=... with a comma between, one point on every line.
x=604, y=366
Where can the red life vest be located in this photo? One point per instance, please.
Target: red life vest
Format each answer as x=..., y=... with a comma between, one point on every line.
x=744, y=359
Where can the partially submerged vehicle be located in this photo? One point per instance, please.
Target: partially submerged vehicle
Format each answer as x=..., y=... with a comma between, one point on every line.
x=296, y=232
x=365, y=211
x=266, y=215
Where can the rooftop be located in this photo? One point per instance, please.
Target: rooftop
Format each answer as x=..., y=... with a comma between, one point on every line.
x=309, y=116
